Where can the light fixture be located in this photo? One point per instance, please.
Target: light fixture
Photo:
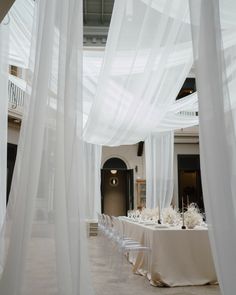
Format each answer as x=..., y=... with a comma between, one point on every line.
x=114, y=181
x=113, y=171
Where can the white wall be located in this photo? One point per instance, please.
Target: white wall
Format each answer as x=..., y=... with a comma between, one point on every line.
x=13, y=135
x=128, y=154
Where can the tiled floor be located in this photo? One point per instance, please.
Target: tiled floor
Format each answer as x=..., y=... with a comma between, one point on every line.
x=113, y=276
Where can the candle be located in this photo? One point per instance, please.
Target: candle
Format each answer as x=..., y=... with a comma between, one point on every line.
x=187, y=201
x=159, y=211
x=183, y=226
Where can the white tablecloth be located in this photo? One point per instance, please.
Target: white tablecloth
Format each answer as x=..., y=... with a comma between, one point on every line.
x=177, y=258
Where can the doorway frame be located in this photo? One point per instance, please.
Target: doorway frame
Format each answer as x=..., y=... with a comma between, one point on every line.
x=129, y=197
x=198, y=176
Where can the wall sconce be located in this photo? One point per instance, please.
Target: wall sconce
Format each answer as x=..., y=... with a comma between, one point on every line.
x=136, y=168
x=114, y=181
x=113, y=171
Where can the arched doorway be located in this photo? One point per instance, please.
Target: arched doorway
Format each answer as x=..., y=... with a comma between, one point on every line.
x=116, y=187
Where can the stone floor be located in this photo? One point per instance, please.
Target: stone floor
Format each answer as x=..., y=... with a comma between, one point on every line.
x=114, y=276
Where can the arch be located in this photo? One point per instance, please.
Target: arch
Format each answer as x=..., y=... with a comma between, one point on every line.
x=115, y=156
x=114, y=163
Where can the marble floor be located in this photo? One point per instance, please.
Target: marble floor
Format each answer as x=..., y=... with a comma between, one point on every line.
x=114, y=276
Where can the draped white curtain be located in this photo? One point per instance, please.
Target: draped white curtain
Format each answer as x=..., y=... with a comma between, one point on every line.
x=216, y=83
x=142, y=71
x=180, y=114
x=159, y=157
x=3, y=116
x=131, y=63
x=44, y=232
x=20, y=18
x=92, y=178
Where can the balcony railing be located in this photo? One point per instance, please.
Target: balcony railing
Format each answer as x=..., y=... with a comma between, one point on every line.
x=188, y=113
x=16, y=101
x=15, y=98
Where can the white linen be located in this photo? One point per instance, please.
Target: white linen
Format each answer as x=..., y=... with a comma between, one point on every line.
x=47, y=203
x=180, y=114
x=177, y=258
x=4, y=43
x=92, y=178
x=21, y=17
x=159, y=159
x=21, y=25
x=142, y=72
x=215, y=74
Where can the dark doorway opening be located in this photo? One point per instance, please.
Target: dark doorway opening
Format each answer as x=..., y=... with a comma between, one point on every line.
x=189, y=176
x=11, y=159
x=117, y=187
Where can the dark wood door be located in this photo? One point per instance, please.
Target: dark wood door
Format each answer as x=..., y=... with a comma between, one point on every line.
x=189, y=175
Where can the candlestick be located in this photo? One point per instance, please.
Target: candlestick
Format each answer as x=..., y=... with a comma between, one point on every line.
x=187, y=201
x=159, y=211
x=183, y=226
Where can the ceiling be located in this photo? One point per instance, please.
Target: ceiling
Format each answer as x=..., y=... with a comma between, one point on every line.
x=97, y=12
x=97, y=16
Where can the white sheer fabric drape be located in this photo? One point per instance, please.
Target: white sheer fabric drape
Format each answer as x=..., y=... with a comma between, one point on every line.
x=216, y=82
x=142, y=72
x=20, y=20
x=92, y=178
x=180, y=114
x=44, y=232
x=4, y=42
x=159, y=157
x=130, y=63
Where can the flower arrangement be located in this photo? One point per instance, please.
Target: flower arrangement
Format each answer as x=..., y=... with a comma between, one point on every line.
x=149, y=214
x=134, y=214
x=192, y=216
x=170, y=216
x=155, y=213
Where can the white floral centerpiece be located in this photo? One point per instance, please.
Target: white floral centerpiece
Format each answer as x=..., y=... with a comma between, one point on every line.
x=170, y=216
x=133, y=214
x=192, y=216
x=137, y=214
x=155, y=214
x=148, y=214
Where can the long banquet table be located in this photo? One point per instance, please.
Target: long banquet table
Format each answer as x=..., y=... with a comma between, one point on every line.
x=177, y=257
